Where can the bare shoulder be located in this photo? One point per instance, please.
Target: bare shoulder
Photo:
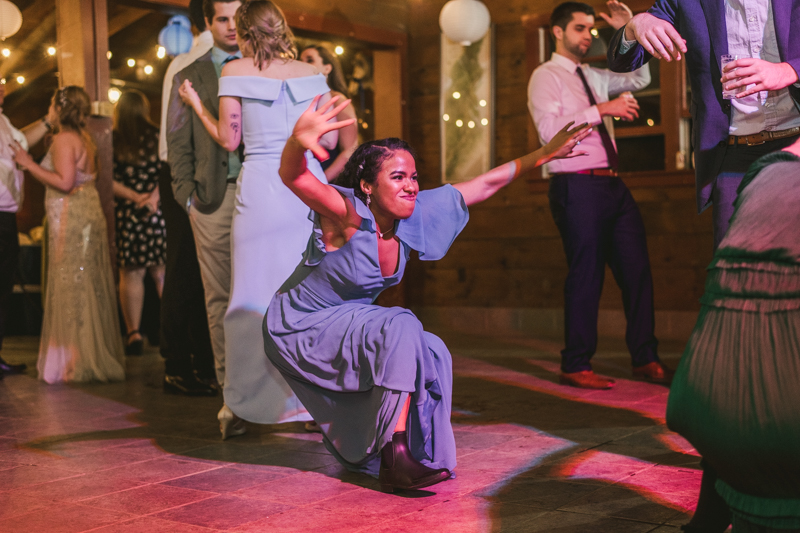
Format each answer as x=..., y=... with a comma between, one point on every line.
x=68, y=140
x=240, y=67
x=297, y=69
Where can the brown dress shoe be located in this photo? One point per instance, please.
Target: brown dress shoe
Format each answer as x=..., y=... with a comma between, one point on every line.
x=654, y=372
x=586, y=379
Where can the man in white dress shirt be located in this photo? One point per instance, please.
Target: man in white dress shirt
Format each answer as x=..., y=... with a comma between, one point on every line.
x=185, y=340
x=11, y=188
x=595, y=213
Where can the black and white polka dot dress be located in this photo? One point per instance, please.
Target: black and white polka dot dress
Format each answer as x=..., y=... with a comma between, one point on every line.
x=141, y=235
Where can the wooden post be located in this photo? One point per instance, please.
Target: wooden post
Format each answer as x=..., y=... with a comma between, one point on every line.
x=82, y=34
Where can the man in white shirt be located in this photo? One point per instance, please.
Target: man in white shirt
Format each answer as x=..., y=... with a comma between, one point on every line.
x=595, y=213
x=11, y=184
x=185, y=341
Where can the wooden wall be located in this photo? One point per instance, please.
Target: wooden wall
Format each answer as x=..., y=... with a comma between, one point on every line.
x=508, y=265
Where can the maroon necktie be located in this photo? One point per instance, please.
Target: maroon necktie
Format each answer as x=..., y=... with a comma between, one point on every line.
x=608, y=144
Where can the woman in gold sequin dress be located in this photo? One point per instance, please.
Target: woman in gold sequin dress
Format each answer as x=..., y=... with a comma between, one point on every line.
x=80, y=333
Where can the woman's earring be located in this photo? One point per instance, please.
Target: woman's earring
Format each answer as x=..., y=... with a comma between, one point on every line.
x=368, y=199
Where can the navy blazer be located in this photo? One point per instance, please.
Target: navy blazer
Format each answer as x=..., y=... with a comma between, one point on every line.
x=702, y=24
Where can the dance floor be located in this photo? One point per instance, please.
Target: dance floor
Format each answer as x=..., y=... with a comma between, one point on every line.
x=533, y=456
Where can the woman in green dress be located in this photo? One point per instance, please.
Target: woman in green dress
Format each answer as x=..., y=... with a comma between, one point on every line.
x=736, y=393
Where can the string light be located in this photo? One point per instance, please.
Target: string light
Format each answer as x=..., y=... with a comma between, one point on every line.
x=445, y=117
x=51, y=50
x=3, y=81
x=482, y=103
x=6, y=52
x=594, y=32
x=456, y=95
x=20, y=79
x=161, y=53
x=485, y=121
x=131, y=63
x=148, y=69
x=459, y=123
x=109, y=54
x=471, y=124
x=114, y=94
x=339, y=50
x=650, y=122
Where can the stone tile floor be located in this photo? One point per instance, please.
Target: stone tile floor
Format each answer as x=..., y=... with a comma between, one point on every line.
x=534, y=456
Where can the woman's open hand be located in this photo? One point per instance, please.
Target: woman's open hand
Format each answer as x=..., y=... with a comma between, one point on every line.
x=314, y=123
x=190, y=96
x=562, y=145
x=21, y=157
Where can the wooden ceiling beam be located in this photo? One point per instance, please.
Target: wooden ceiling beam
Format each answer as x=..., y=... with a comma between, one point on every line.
x=123, y=17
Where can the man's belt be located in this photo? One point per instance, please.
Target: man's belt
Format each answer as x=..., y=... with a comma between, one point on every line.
x=592, y=172
x=762, y=137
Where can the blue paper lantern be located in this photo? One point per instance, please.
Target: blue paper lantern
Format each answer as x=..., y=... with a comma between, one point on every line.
x=176, y=37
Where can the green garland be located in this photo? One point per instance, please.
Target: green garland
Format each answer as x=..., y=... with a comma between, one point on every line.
x=465, y=75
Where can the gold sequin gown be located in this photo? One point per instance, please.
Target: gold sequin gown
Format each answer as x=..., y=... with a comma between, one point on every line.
x=80, y=333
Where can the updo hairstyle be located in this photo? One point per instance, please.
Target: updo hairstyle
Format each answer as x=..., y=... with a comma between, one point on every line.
x=73, y=106
x=366, y=163
x=261, y=24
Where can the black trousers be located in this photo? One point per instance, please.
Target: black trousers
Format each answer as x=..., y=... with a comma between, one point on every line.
x=9, y=260
x=600, y=225
x=185, y=341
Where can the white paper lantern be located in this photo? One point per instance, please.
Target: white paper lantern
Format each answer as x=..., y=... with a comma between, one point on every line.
x=464, y=21
x=10, y=19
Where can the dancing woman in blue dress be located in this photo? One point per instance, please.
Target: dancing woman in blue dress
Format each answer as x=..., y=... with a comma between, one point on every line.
x=378, y=385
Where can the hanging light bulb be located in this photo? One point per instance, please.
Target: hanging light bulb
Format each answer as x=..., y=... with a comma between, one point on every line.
x=131, y=63
x=113, y=95
x=51, y=50
x=6, y=52
x=148, y=69
x=20, y=79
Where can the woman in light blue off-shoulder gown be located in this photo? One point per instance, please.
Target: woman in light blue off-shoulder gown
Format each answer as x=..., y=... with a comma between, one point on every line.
x=378, y=385
x=261, y=97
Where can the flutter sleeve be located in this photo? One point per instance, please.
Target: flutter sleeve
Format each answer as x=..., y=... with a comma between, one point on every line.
x=438, y=218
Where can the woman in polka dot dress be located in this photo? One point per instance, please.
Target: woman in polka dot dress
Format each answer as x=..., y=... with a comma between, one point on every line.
x=141, y=234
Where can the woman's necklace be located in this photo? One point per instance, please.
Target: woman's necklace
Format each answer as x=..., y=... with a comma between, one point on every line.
x=381, y=235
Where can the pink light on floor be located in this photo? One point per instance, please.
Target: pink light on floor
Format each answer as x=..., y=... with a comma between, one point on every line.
x=642, y=398
x=670, y=486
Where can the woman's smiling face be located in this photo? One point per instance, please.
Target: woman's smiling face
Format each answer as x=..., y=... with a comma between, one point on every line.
x=394, y=191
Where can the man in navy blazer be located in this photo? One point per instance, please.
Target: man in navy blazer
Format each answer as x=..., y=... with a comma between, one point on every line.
x=728, y=135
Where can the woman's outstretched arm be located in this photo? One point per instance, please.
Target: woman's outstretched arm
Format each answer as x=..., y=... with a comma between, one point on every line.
x=227, y=131
x=561, y=146
x=309, y=129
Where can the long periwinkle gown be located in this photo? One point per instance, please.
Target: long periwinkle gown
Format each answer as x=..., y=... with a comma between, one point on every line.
x=353, y=363
x=80, y=338
x=736, y=393
x=269, y=232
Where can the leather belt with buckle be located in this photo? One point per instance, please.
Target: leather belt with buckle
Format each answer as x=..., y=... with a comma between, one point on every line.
x=762, y=137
